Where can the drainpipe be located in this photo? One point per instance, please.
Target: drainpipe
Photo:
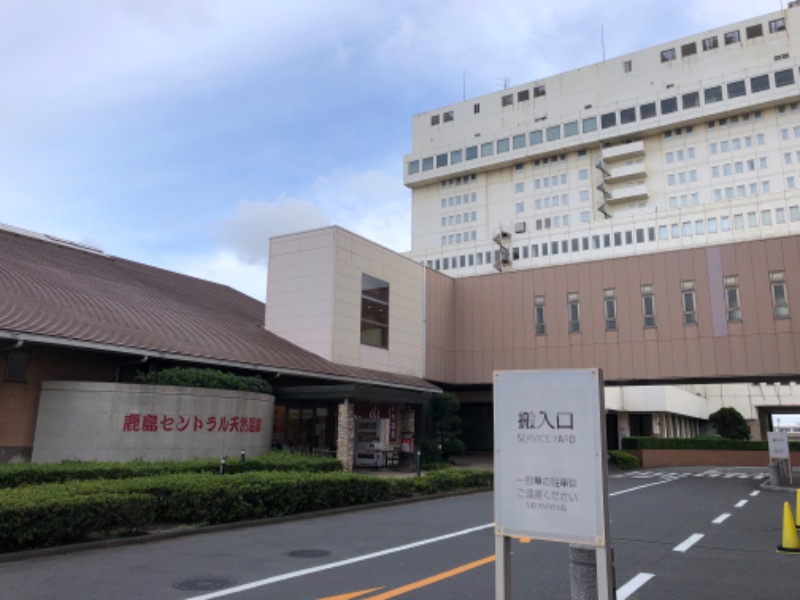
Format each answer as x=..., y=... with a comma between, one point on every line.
x=139, y=361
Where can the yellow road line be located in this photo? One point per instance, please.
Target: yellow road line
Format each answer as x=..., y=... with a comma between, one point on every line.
x=352, y=595
x=433, y=579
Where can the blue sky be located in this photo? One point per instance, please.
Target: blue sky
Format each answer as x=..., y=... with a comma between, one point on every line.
x=185, y=133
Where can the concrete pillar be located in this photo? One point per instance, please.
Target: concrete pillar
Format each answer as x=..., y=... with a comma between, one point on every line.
x=345, y=448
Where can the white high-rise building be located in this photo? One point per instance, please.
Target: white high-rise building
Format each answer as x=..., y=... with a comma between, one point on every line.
x=693, y=142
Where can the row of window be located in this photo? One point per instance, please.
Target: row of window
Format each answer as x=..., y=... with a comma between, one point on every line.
x=667, y=55
x=459, y=199
x=742, y=190
x=710, y=43
x=665, y=106
x=459, y=218
x=683, y=229
x=457, y=238
x=733, y=307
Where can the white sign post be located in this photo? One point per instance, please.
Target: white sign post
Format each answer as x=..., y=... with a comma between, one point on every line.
x=550, y=465
x=778, y=444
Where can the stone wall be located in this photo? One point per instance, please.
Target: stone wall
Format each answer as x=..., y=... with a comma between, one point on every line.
x=345, y=447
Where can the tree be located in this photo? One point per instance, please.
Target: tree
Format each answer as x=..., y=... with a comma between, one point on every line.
x=447, y=423
x=730, y=424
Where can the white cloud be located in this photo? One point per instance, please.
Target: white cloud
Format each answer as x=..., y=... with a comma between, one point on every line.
x=225, y=267
x=248, y=231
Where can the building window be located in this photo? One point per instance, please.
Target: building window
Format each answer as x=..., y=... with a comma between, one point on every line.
x=689, y=304
x=783, y=78
x=435, y=120
x=608, y=120
x=627, y=115
x=732, y=37
x=487, y=149
x=573, y=309
x=710, y=43
x=503, y=145
x=413, y=167
x=523, y=95
x=589, y=124
x=538, y=314
x=732, y=303
x=691, y=100
x=472, y=152
x=571, y=128
x=667, y=55
x=17, y=365
x=754, y=31
x=448, y=116
x=539, y=91
x=441, y=160
x=518, y=141
x=536, y=137
x=610, y=309
x=780, y=302
x=688, y=49
x=476, y=108
x=375, y=311
x=713, y=94
x=627, y=66
x=648, y=306
x=759, y=83
x=427, y=164
x=777, y=25
x=647, y=111
x=507, y=100
x=554, y=133
x=669, y=105
x=736, y=89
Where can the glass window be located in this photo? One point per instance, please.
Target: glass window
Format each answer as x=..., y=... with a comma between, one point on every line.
x=713, y=94
x=689, y=303
x=780, y=216
x=667, y=55
x=456, y=156
x=766, y=217
x=712, y=225
x=574, y=312
x=725, y=223
x=518, y=141
x=736, y=89
x=503, y=145
x=732, y=37
x=647, y=111
x=472, y=152
x=662, y=232
x=413, y=167
x=627, y=115
x=554, y=133
x=777, y=25
x=759, y=83
x=608, y=120
x=523, y=95
x=648, y=306
x=487, y=149
x=441, y=160
x=570, y=129
x=538, y=313
x=427, y=164
x=610, y=309
x=732, y=304
x=710, y=43
x=507, y=100
x=375, y=311
x=690, y=100
x=536, y=137
x=754, y=31
x=689, y=49
x=589, y=124
x=669, y=105
x=780, y=302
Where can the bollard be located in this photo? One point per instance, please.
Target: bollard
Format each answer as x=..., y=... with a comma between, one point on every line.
x=222, y=466
x=582, y=572
x=241, y=455
x=419, y=462
x=774, y=473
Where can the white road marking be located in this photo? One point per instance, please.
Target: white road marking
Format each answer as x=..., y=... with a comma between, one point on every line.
x=740, y=503
x=639, y=487
x=756, y=493
x=294, y=574
x=721, y=518
x=688, y=542
x=634, y=584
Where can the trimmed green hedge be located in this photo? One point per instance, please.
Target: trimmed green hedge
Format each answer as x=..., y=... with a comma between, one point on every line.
x=50, y=514
x=34, y=520
x=31, y=474
x=624, y=460
x=650, y=443
x=205, y=378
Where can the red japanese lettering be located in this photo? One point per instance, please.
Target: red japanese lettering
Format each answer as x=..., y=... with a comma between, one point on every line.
x=167, y=422
x=183, y=423
x=150, y=423
x=234, y=423
x=198, y=423
x=132, y=422
x=223, y=424
x=211, y=423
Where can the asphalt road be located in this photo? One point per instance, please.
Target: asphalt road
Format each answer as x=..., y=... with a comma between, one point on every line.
x=666, y=541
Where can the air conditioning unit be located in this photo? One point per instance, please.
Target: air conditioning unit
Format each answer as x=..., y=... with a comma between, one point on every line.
x=519, y=227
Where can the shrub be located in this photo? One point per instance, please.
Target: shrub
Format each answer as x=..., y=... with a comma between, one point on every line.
x=702, y=443
x=205, y=378
x=429, y=449
x=29, y=474
x=624, y=460
x=730, y=423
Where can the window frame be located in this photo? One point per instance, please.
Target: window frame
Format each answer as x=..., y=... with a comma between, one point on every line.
x=371, y=295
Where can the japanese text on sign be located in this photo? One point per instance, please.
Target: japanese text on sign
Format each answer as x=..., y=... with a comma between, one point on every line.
x=153, y=422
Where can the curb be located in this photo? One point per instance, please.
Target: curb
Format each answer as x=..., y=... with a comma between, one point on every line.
x=191, y=530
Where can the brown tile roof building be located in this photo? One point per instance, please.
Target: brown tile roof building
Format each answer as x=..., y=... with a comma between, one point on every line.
x=58, y=293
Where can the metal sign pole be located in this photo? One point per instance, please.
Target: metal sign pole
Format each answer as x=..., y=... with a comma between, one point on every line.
x=502, y=569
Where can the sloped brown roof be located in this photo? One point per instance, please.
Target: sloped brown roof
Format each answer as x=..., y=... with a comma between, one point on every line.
x=70, y=295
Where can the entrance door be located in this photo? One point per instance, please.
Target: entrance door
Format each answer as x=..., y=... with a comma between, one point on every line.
x=612, y=431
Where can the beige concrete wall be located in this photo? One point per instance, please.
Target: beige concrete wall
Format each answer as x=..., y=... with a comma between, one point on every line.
x=314, y=298
x=106, y=421
x=494, y=328
x=440, y=327
x=301, y=289
x=356, y=256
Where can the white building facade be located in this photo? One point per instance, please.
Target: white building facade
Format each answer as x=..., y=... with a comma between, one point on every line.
x=689, y=143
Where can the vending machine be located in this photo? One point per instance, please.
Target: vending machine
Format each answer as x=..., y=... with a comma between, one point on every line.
x=372, y=436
